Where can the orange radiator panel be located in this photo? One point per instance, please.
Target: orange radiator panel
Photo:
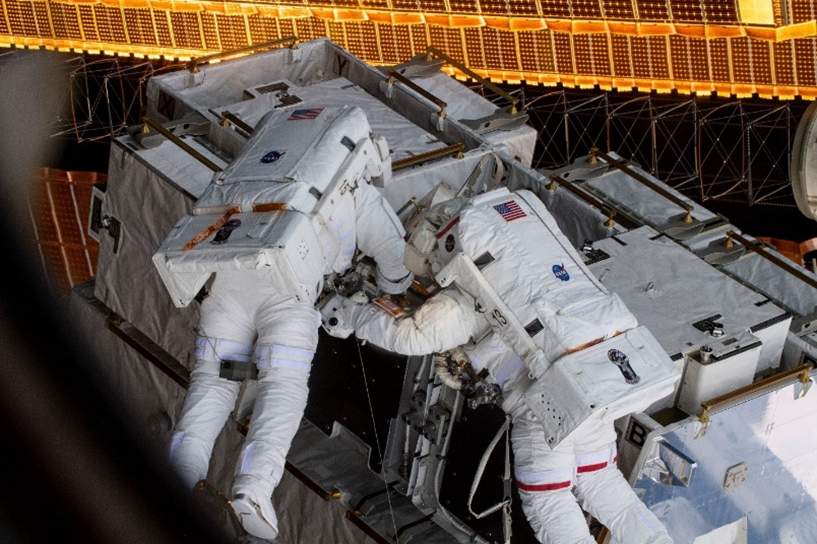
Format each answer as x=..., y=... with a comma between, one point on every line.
x=60, y=204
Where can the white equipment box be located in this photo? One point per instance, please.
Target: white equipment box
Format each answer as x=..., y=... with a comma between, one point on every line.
x=719, y=368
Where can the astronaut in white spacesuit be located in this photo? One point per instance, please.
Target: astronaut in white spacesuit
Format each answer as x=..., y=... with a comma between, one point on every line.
x=517, y=297
x=314, y=165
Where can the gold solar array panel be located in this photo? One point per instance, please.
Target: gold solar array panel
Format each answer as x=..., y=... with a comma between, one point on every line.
x=586, y=9
x=782, y=54
x=655, y=10
x=805, y=65
x=536, y=52
x=736, y=47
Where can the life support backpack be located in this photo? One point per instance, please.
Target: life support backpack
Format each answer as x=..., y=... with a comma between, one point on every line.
x=309, y=161
x=540, y=281
x=284, y=208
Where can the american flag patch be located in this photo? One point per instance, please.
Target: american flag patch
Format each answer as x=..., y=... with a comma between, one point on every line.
x=510, y=210
x=304, y=115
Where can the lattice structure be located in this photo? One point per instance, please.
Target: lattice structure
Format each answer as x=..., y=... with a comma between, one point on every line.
x=732, y=150
x=731, y=47
x=60, y=204
x=105, y=96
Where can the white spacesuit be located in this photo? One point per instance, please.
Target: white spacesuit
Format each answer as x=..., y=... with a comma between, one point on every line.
x=519, y=300
x=299, y=189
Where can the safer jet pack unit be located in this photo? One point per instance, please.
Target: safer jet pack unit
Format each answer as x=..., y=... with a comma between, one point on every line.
x=254, y=152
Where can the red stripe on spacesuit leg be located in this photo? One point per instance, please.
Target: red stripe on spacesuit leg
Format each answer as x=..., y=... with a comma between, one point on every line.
x=591, y=468
x=543, y=487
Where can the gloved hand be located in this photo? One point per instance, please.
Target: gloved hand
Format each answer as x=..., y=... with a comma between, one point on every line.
x=337, y=313
x=393, y=287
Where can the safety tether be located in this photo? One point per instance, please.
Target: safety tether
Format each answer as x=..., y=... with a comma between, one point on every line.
x=506, y=501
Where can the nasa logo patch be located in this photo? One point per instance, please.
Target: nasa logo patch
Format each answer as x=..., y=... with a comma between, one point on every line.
x=560, y=272
x=272, y=156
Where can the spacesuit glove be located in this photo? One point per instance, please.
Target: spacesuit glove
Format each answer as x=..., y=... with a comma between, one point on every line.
x=393, y=287
x=337, y=313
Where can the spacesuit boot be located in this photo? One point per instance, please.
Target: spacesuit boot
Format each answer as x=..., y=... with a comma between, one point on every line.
x=255, y=512
x=282, y=393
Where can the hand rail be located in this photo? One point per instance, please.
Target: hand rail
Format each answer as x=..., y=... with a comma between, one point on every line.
x=428, y=155
x=419, y=90
x=794, y=271
x=193, y=64
x=610, y=212
x=596, y=152
x=470, y=73
x=800, y=372
x=178, y=141
x=227, y=118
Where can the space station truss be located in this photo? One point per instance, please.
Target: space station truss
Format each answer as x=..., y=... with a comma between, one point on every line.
x=708, y=148
x=730, y=47
x=728, y=149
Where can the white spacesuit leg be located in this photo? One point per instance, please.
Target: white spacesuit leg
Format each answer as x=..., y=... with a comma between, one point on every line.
x=603, y=492
x=287, y=338
x=545, y=479
x=226, y=335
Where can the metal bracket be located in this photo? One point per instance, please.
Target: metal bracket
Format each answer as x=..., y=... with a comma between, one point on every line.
x=668, y=466
x=95, y=218
x=499, y=120
x=803, y=385
x=114, y=228
x=417, y=66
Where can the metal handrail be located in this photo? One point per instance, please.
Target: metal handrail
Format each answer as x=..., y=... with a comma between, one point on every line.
x=193, y=64
x=428, y=155
x=227, y=117
x=419, y=90
x=730, y=235
x=470, y=73
x=610, y=212
x=801, y=372
x=178, y=141
x=596, y=152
